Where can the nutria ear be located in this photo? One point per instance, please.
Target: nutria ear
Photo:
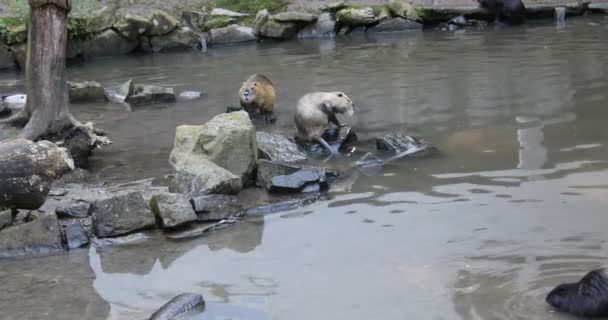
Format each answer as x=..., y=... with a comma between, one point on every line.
x=328, y=107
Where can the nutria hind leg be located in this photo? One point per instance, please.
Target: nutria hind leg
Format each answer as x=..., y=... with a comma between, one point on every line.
x=332, y=119
x=325, y=145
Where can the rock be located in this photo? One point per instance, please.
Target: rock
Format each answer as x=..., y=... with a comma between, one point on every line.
x=324, y=28
x=193, y=19
x=119, y=240
x=80, y=141
x=19, y=52
x=198, y=230
x=275, y=147
x=102, y=19
x=396, y=25
x=277, y=30
x=190, y=95
x=228, y=140
x=6, y=218
x=268, y=169
x=403, y=10
x=18, y=34
x=204, y=177
x=121, y=214
x=403, y=145
x=172, y=210
x=161, y=23
x=260, y=19
x=227, y=13
x=352, y=17
x=216, y=207
x=181, y=38
x=599, y=7
x=15, y=101
x=108, y=43
x=78, y=209
x=88, y=91
x=231, y=34
x=334, y=6
x=284, y=205
x=7, y=60
x=295, y=17
x=126, y=89
x=296, y=181
x=132, y=26
x=370, y=164
x=219, y=22
x=75, y=236
x=150, y=94
x=40, y=236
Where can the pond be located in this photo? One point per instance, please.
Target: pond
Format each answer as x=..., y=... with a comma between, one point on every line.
x=514, y=204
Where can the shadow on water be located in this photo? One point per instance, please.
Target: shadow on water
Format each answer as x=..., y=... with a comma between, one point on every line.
x=514, y=204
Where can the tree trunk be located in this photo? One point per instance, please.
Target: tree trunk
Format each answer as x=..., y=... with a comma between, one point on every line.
x=27, y=171
x=47, y=100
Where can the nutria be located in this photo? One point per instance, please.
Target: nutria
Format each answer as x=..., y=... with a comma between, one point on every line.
x=315, y=111
x=586, y=298
x=505, y=11
x=257, y=95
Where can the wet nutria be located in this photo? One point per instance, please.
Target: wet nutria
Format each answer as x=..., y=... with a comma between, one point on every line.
x=586, y=298
x=257, y=95
x=316, y=111
x=505, y=11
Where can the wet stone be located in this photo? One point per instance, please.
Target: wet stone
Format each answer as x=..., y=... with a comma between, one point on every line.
x=172, y=210
x=370, y=164
x=150, y=94
x=122, y=214
x=6, y=219
x=216, y=207
x=284, y=205
x=403, y=145
x=41, y=236
x=179, y=305
x=276, y=147
x=298, y=180
x=75, y=236
x=74, y=210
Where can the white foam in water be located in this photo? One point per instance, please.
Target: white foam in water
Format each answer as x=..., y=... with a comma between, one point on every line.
x=560, y=16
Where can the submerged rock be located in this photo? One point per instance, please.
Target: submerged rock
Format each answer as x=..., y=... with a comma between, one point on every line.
x=161, y=23
x=119, y=240
x=75, y=236
x=88, y=91
x=132, y=26
x=297, y=181
x=370, y=164
x=275, y=147
x=396, y=25
x=150, y=94
x=40, y=236
x=6, y=218
x=324, y=28
x=284, y=205
x=216, y=207
x=121, y=214
x=178, y=306
x=403, y=145
x=180, y=38
x=231, y=34
x=228, y=140
x=201, y=229
x=172, y=210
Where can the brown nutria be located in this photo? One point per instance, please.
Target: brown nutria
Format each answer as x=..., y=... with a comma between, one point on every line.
x=586, y=298
x=316, y=110
x=257, y=95
x=505, y=11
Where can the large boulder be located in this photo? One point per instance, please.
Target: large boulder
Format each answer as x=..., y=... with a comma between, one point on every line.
x=231, y=34
x=102, y=19
x=296, y=17
x=108, y=43
x=355, y=17
x=275, y=147
x=203, y=177
x=396, y=25
x=88, y=91
x=277, y=30
x=193, y=19
x=403, y=10
x=324, y=27
x=40, y=236
x=228, y=140
x=219, y=22
x=216, y=207
x=121, y=214
x=161, y=23
x=172, y=210
x=132, y=26
x=180, y=38
x=6, y=58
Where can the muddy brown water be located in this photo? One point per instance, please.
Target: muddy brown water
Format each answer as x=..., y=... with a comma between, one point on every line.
x=515, y=204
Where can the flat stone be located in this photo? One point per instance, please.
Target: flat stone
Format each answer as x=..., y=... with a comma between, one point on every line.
x=150, y=94
x=216, y=207
x=172, y=210
x=403, y=145
x=121, y=214
x=75, y=235
x=275, y=147
x=298, y=180
x=334, y=6
x=227, y=13
x=231, y=34
x=74, y=210
x=396, y=25
x=296, y=17
x=41, y=236
x=269, y=169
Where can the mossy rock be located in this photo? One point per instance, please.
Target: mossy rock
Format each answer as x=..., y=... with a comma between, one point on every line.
x=132, y=26
x=103, y=19
x=18, y=34
x=403, y=10
x=219, y=22
x=353, y=17
x=382, y=13
x=161, y=23
x=334, y=6
x=296, y=17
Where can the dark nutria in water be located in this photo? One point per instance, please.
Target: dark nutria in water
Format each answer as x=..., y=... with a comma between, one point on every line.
x=586, y=298
x=505, y=11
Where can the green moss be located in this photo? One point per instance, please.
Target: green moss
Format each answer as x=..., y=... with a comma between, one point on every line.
x=250, y=6
x=12, y=30
x=219, y=22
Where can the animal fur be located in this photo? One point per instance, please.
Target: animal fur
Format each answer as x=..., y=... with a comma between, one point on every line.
x=257, y=94
x=505, y=11
x=586, y=298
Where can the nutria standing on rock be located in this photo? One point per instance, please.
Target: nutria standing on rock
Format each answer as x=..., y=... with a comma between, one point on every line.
x=586, y=298
x=505, y=11
x=316, y=111
x=257, y=95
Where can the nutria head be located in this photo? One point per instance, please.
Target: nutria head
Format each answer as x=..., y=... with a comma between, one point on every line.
x=587, y=298
x=338, y=102
x=248, y=91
